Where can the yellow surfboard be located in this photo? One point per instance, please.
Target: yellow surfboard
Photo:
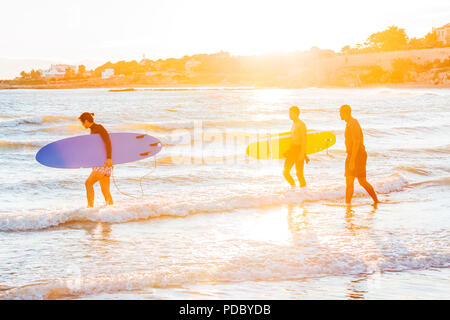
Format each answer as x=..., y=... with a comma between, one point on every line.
x=276, y=145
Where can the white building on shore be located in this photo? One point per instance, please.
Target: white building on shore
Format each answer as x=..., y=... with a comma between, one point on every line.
x=57, y=70
x=190, y=65
x=443, y=33
x=107, y=73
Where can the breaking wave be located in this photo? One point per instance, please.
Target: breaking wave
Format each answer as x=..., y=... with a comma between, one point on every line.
x=445, y=149
x=145, y=210
x=34, y=120
x=415, y=169
x=408, y=92
x=19, y=145
x=277, y=263
x=444, y=181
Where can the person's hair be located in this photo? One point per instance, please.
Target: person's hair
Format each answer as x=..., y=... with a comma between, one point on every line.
x=86, y=116
x=346, y=108
x=295, y=109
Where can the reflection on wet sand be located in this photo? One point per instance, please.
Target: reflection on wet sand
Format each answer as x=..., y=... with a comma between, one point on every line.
x=357, y=288
x=95, y=230
x=297, y=222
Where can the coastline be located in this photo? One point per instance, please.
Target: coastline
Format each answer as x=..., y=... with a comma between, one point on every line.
x=424, y=68
x=137, y=87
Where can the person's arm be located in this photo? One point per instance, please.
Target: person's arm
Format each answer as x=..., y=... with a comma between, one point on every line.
x=305, y=141
x=295, y=140
x=356, y=144
x=302, y=129
x=107, y=141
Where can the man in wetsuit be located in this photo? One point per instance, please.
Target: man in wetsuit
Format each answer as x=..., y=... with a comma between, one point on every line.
x=100, y=174
x=297, y=152
x=355, y=163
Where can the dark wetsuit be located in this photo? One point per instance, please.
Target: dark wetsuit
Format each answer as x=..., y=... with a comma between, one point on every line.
x=98, y=128
x=354, y=132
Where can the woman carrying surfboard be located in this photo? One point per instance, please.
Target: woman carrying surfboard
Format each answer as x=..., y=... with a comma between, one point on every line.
x=98, y=174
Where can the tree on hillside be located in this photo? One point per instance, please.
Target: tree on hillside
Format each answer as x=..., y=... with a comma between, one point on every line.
x=372, y=74
x=32, y=75
x=431, y=40
x=98, y=71
x=416, y=43
x=393, y=38
x=346, y=49
x=70, y=73
x=126, y=68
x=81, y=71
x=35, y=74
x=401, y=70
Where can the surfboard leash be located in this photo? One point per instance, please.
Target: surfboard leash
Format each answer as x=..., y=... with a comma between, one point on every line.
x=140, y=182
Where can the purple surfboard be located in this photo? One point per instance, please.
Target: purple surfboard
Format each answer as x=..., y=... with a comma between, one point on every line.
x=89, y=150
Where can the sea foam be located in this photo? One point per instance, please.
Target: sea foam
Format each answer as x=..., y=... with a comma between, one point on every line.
x=142, y=209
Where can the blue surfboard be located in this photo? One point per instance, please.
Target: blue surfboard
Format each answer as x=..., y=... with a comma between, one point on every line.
x=89, y=150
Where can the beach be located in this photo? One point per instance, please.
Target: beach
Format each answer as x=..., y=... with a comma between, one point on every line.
x=211, y=223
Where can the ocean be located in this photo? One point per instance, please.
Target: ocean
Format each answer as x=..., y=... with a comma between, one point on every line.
x=204, y=221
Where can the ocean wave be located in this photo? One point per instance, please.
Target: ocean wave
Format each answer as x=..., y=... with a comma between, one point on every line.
x=184, y=89
x=34, y=120
x=441, y=149
x=444, y=181
x=415, y=169
x=269, y=123
x=144, y=210
x=408, y=92
x=403, y=130
x=176, y=125
x=435, y=127
x=20, y=145
x=273, y=262
x=67, y=129
x=175, y=160
x=158, y=126
x=445, y=149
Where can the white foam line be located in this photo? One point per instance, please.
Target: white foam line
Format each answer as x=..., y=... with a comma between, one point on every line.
x=137, y=211
x=277, y=264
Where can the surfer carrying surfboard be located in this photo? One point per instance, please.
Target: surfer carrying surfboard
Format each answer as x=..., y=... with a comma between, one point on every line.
x=297, y=152
x=355, y=163
x=98, y=174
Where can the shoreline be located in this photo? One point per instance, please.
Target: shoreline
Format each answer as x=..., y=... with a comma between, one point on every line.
x=163, y=87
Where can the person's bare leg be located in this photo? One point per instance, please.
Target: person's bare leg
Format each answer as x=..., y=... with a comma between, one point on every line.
x=288, y=163
x=89, y=183
x=89, y=193
x=349, y=189
x=299, y=165
x=104, y=185
x=366, y=185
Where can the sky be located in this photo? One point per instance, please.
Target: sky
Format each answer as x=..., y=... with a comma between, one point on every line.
x=96, y=31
